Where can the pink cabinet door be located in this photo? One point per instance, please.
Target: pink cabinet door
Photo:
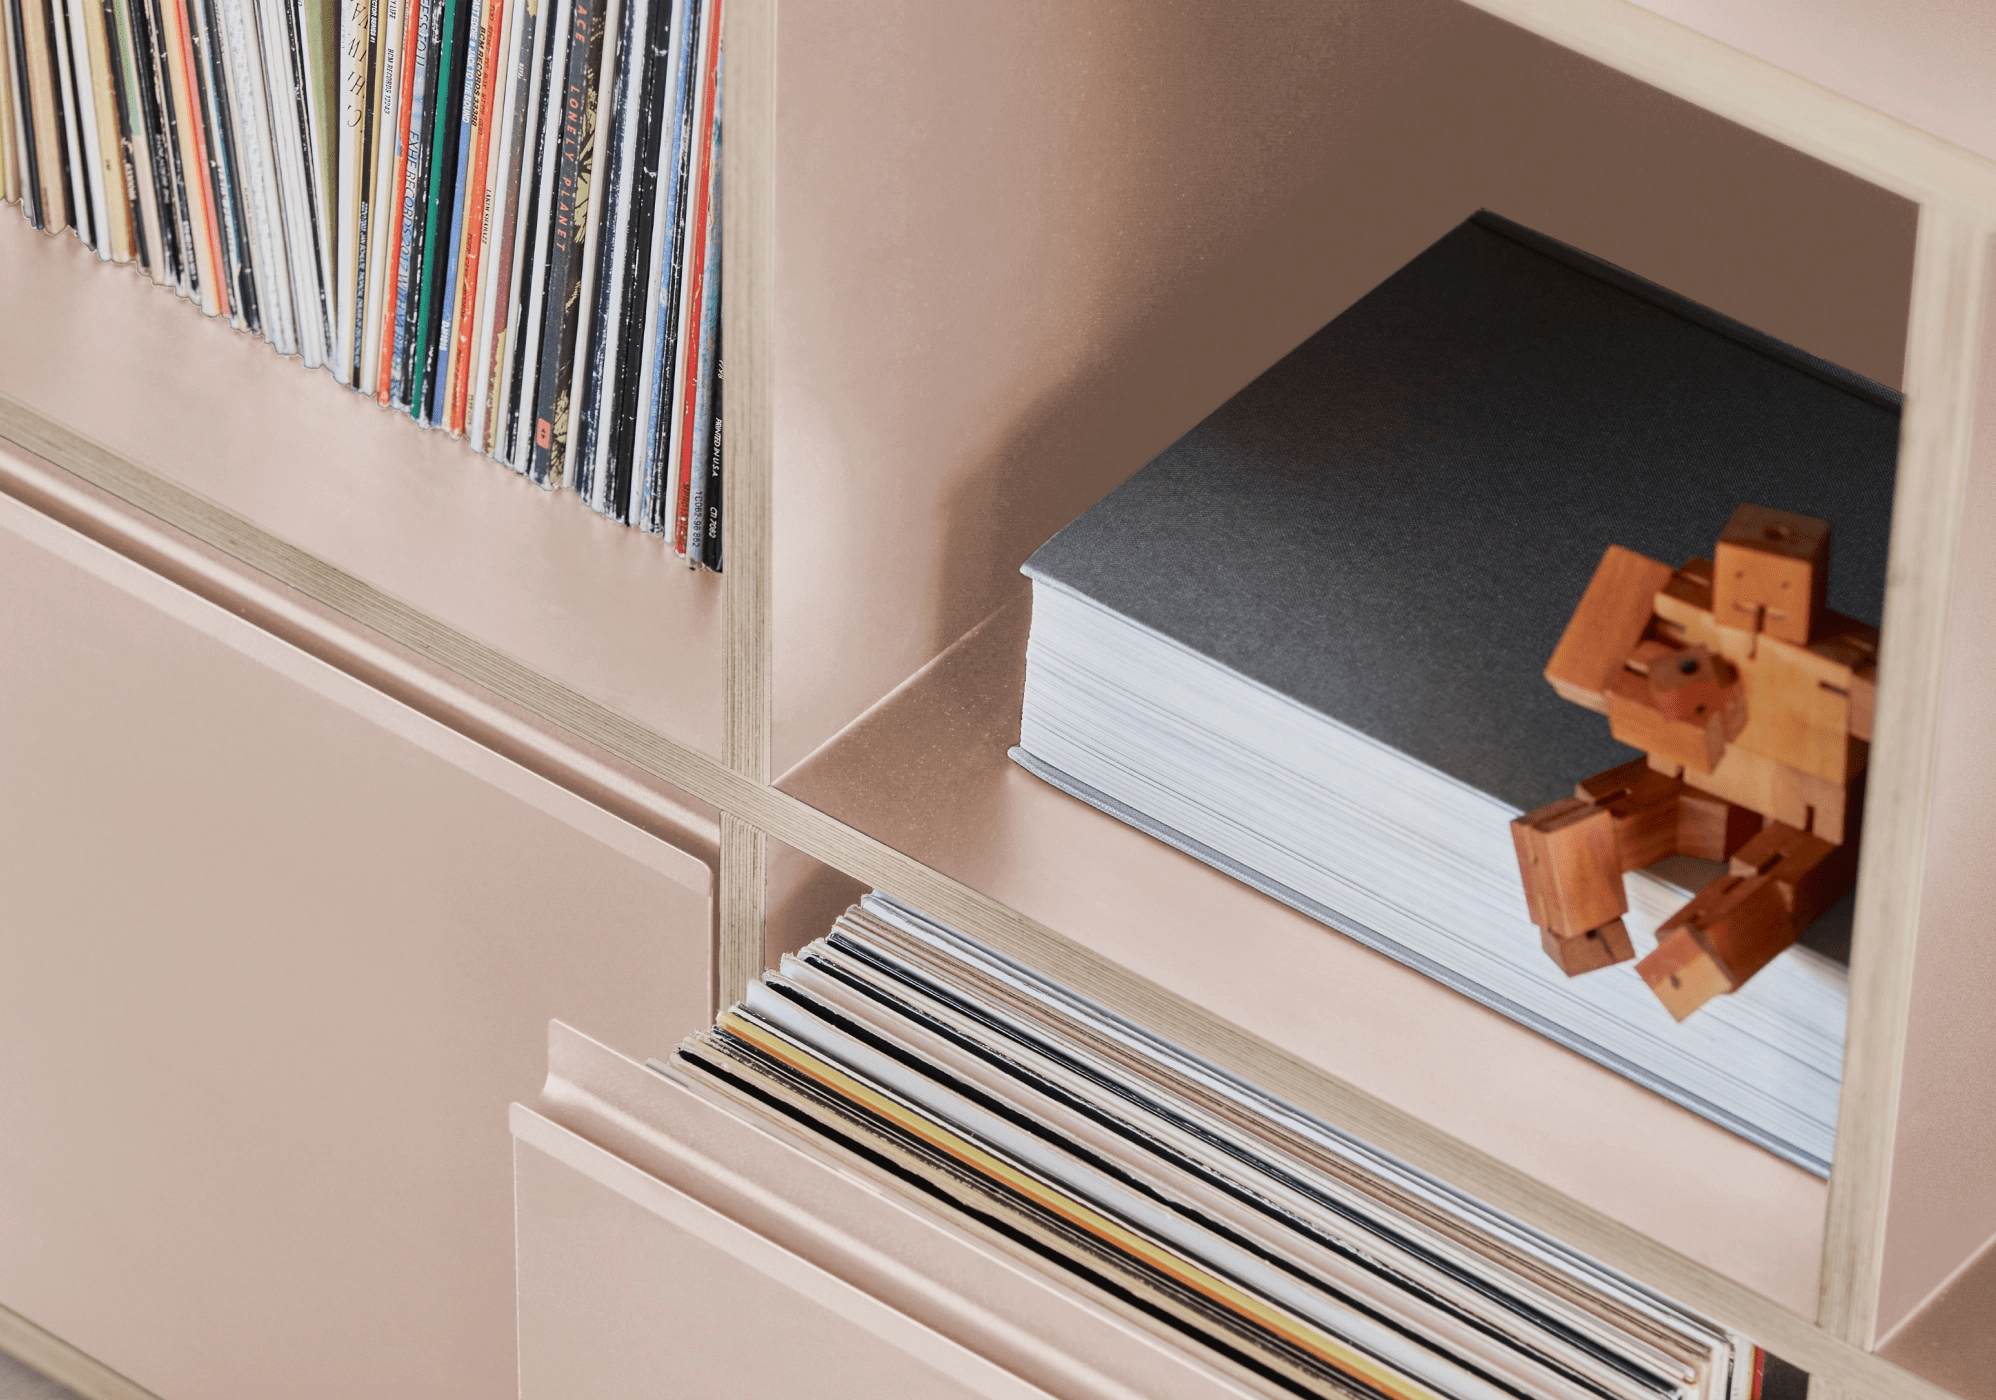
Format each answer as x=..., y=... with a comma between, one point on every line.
x=671, y=1245
x=276, y=952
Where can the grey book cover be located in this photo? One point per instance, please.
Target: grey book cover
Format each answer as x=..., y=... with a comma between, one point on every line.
x=1392, y=524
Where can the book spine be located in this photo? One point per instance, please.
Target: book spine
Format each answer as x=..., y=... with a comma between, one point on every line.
x=10, y=172
x=115, y=241
x=398, y=212
x=686, y=385
x=318, y=26
x=208, y=282
x=134, y=139
x=466, y=123
x=259, y=176
x=693, y=475
x=76, y=162
x=383, y=169
x=611, y=232
x=544, y=137
x=495, y=259
x=353, y=97
x=311, y=262
x=563, y=301
x=625, y=387
x=415, y=204
x=478, y=222
x=710, y=543
x=178, y=209
x=448, y=58
x=650, y=455
x=33, y=195
x=211, y=85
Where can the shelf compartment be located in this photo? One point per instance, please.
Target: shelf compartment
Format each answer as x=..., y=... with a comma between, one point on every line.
x=927, y=773
x=603, y=609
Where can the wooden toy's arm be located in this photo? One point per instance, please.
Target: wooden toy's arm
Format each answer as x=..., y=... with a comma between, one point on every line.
x=1605, y=628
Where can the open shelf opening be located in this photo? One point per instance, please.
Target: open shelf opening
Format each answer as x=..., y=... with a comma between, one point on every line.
x=1139, y=259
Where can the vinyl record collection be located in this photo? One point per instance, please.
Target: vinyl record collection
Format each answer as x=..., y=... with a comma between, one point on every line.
x=501, y=217
x=1288, y=1255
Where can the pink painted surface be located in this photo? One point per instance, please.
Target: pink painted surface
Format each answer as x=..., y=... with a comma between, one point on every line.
x=1943, y=1195
x=601, y=608
x=277, y=954
x=927, y=773
x=824, y=1239
x=1021, y=248
x=1951, y=1339
x=1926, y=62
x=619, y=1304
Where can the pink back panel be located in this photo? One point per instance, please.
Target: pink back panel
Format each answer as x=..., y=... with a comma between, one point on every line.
x=1021, y=248
x=277, y=953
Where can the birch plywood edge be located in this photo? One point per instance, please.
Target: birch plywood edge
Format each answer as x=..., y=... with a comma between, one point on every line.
x=1950, y=296
x=1761, y=97
x=62, y=1363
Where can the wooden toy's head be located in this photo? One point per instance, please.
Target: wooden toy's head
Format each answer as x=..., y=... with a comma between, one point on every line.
x=1769, y=573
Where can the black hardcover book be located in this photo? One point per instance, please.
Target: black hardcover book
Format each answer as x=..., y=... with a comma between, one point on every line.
x=563, y=307
x=1306, y=642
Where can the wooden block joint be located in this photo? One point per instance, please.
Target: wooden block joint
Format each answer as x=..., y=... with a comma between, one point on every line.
x=1643, y=806
x=1591, y=951
x=1811, y=873
x=1712, y=828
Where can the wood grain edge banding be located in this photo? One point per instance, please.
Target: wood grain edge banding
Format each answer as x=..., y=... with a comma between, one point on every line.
x=739, y=953
x=401, y=672
x=1950, y=271
x=748, y=308
x=43, y=1351
x=769, y=812
x=1827, y=125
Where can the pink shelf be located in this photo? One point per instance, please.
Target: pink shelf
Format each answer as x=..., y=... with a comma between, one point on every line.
x=601, y=608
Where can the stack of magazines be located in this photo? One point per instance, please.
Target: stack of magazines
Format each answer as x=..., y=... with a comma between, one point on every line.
x=1285, y=1253
x=501, y=217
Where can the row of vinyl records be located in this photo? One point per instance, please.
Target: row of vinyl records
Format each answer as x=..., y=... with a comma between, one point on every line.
x=501, y=217
x=1289, y=1256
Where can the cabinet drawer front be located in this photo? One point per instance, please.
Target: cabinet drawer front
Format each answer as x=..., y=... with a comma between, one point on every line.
x=667, y=1243
x=276, y=952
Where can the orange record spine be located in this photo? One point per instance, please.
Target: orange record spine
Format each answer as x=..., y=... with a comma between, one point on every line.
x=474, y=240
x=194, y=153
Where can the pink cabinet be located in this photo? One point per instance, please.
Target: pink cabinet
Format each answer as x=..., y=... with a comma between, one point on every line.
x=276, y=952
x=669, y=1245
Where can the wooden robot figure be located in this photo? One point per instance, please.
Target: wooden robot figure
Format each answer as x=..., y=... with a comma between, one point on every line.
x=1753, y=704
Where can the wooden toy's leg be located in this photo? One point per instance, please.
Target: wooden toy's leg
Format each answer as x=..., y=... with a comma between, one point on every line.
x=1780, y=882
x=1573, y=883
x=1730, y=930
